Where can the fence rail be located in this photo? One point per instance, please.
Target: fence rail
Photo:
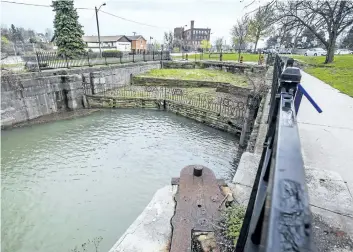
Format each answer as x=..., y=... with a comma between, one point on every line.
x=222, y=106
x=52, y=60
x=218, y=56
x=278, y=216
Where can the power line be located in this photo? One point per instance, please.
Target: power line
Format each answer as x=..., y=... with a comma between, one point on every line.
x=40, y=5
x=129, y=20
x=82, y=8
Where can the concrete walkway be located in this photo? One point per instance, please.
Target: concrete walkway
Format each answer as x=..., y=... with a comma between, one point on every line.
x=327, y=148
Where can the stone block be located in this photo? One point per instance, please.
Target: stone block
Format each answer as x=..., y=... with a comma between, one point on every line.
x=241, y=193
x=76, y=93
x=247, y=169
x=75, y=104
x=72, y=85
x=151, y=231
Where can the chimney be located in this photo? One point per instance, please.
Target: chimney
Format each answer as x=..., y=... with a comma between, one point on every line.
x=192, y=24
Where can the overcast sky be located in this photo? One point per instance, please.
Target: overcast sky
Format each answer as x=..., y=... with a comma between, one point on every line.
x=219, y=15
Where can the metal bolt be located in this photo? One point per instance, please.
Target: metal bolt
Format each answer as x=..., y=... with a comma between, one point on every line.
x=197, y=171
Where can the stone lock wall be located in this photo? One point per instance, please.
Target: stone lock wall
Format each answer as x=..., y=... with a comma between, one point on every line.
x=204, y=116
x=226, y=66
x=31, y=95
x=24, y=99
x=220, y=86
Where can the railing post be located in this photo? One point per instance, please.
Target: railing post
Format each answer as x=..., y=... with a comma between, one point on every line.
x=153, y=55
x=144, y=56
x=121, y=56
x=67, y=63
x=89, y=64
x=38, y=65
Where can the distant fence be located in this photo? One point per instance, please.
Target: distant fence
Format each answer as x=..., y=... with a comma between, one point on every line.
x=52, y=60
x=219, y=56
x=222, y=106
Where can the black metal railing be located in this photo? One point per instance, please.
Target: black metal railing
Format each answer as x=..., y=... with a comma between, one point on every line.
x=221, y=105
x=278, y=216
x=219, y=56
x=52, y=60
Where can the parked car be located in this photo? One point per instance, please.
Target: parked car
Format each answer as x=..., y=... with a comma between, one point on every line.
x=285, y=51
x=343, y=51
x=315, y=52
x=269, y=51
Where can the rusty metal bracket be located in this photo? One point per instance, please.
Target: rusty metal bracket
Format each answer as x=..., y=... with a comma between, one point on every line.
x=197, y=205
x=220, y=182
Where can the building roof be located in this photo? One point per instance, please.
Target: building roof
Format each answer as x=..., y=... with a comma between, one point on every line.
x=94, y=39
x=136, y=37
x=198, y=29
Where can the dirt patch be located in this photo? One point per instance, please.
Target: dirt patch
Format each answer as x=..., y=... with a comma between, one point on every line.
x=328, y=238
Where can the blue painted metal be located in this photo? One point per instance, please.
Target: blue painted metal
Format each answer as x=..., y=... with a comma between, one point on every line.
x=302, y=92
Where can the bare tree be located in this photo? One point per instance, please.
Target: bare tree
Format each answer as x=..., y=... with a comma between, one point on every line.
x=330, y=16
x=261, y=23
x=219, y=44
x=240, y=32
x=169, y=40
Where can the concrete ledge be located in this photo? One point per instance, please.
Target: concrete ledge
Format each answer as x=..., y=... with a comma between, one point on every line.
x=151, y=231
x=243, y=180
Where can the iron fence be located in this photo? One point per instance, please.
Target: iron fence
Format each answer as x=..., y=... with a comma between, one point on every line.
x=221, y=105
x=278, y=216
x=53, y=60
x=219, y=56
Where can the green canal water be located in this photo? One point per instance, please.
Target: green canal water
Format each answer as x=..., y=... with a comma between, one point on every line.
x=70, y=181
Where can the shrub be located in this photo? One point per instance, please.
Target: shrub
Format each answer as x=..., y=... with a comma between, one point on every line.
x=112, y=53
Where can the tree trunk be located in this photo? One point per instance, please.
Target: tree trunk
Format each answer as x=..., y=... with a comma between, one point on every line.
x=331, y=49
x=239, y=51
x=256, y=41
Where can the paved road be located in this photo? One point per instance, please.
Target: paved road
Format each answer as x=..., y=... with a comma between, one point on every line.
x=327, y=147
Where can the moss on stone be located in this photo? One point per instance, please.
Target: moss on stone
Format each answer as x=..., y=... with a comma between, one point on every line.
x=234, y=217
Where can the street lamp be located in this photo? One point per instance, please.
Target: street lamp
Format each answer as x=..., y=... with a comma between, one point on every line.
x=99, y=37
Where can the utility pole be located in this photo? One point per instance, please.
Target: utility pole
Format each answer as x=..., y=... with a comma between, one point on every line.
x=99, y=36
x=151, y=43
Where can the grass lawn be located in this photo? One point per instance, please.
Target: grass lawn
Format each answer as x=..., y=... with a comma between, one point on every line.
x=228, y=56
x=198, y=74
x=338, y=74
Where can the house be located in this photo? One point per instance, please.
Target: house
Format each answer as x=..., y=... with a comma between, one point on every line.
x=118, y=42
x=138, y=44
x=191, y=38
